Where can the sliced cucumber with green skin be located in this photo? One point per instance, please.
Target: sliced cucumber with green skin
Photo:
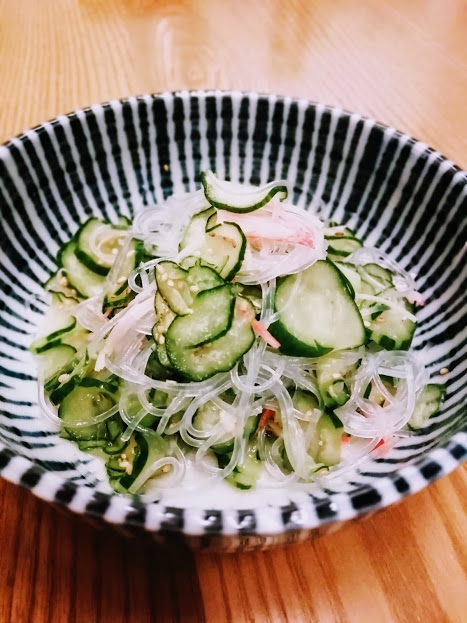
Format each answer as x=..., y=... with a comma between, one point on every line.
x=196, y=228
x=220, y=246
x=58, y=285
x=330, y=374
x=253, y=293
x=188, y=262
x=117, y=292
x=83, y=404
x=56, y=359
x=98, y=243
x=218, y=355
x=60, y=387
x=319, y=315
x=352, y=275
x=339, y=247
x=378, y=277
x=207, y=416
x=151, y=448
x=53, y=339
x=203, y=278
x=246, y=474
x=164, y=318
x=178, y=287
x=326, y=444
x=304, y=402
x=428, y=404
x=86, y=282
x=173, y=286
x=163, y=357
x=119, y=466
x=392, y=329
x=110, y=385
x=155, y=369
x=211, y=317
x=234, y=197
x=227, y=446
x=224, y=249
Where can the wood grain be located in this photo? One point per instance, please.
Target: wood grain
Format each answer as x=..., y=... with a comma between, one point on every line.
x=402, y=62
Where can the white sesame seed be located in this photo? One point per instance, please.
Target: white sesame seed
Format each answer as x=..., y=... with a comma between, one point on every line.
x=170, y=283
x=444, y=371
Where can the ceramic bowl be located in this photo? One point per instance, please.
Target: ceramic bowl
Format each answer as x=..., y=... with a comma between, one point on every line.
x=396, y=192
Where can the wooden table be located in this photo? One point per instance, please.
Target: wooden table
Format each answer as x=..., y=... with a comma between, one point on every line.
x=404, y=63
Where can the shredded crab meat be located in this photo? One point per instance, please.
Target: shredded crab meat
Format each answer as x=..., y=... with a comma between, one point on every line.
x=281, y=240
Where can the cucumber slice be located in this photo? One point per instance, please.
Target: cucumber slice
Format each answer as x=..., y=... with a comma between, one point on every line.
x=304, y=402
x=64, y=382
x=392, y=328
x=163, y=358
x=83, y=404
x=378, y=277
x=155, y=369
x=203, y=278
x=211, y=317
x=351, y=273
x=117, y=292
x=53, y=339
x=220, y=246
x=234, y=197
x=340, y=247
x=151, y=448
x=326, y=444
x=178, y=287
x=164, y=318
x=86, y=282
x=58, y=285
x=331, y=376
x=428, y=404
x=55, y=359
x=196, y=228
x=218, y=355
x=245, y=474
x=173, y=286
x=188, y=262
x=224, y=248
x=317, y=314
x=98, y=243
x=207, y=416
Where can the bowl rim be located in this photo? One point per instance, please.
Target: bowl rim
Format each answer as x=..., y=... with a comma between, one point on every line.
x=122, y=510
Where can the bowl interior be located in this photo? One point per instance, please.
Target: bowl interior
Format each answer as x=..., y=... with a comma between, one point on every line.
x=105, y=161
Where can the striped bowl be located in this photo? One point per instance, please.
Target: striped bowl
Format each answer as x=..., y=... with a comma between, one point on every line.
x=396, y=192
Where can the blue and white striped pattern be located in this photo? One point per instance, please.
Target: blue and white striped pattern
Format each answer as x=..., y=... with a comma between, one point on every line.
x=396, y=192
